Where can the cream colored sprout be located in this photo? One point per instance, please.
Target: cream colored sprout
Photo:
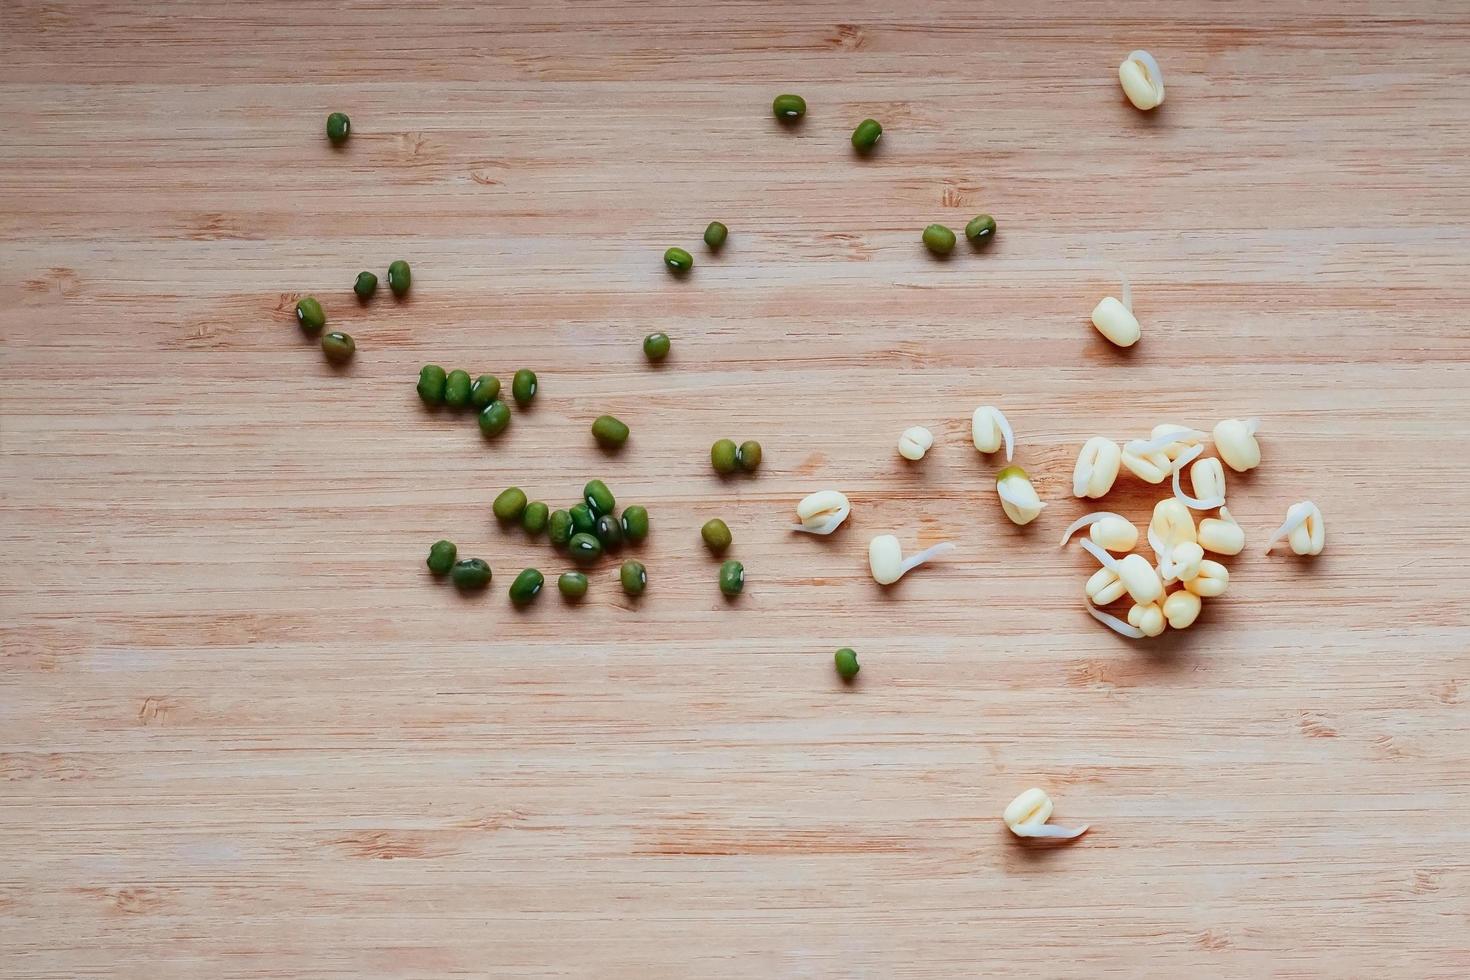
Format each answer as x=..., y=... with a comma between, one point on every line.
x=1097, y=467
x=1222, y=534
x=1303, y=530
x=989, y=430
x=1017, y=496
x=1142, y=80
x=1027, y=816
x=915, y=442
x=887, y=563
x=1235, y=441
x=822, y=512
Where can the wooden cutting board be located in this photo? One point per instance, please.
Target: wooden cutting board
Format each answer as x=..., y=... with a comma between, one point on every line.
x=244, y=733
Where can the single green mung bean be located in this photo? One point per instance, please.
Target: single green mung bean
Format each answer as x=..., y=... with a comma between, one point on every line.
x=609, y=531
x=441, y=557
x=339, y=127
x=583, y=519
x=338, y=346
x=510, y=505
x=523, y=386
x=494, y=417
x=526, y=586
x=457, y=388
x=584, y=548
x=634, y=577
x=484, y=390
x=656, y=346
x=749, y=455
x=573, y=585
x=788, y=108
x=470, y=573
x=716, y=535
x=866, y=135
x=635, y=524
x=732, y=578
x=535, y=517
x=715, y=234
x=847, y=664
x=938, y=239
x=309, y=314
x=366, y=285
x=597, y=496
x=559, y=527
x=980, y=228
x=431, y=384
x=678, y=260
x=400, y=277
x=609, y=431
x=724, y=456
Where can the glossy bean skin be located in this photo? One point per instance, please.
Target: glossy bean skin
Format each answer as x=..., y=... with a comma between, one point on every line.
x=678, y=260
x=573, y=585
x=635, y=524
x=535, y=517
x=732, y=578
x=847, y=663
x=866, y=135
x=365, y=286
x=748, y=456
x=527, y=586
x=582, y=518
x=339, y=127
x=788, y=108
x=716, y=535
x=431, y=384
x=484, y=390
x=598, y=498
x=523, y=386
x=441, y=557
x=634, y=577
x=609, y=531
x=980, y=229
x=457, y=388
x=559, y=528
x=611, y=433
x=715, y=235
x=584, y=548
x=400, y=278
x=656, y=346
x=338, y=346
x=510, y=505
x=470, y=573
x=494, y=418
x=309, y=314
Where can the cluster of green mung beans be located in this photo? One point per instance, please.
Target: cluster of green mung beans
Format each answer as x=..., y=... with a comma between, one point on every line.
x=586, y=530
x=726, y=457
x=336, y=345
x=454, y=388
x=939, y=240
x=679, y=261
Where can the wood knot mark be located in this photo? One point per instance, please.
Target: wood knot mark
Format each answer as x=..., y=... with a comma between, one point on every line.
x=1448, y=692
x=850, y=245
x=848, y=37
x=155, y=711
x=494, y=821
x=216, y=226
x=59, y=279
x=384, y=845
x=1090, y=673
x=811, y=464
x=1314, y=724
x=1213, y=939
x=127, y=901
x=483, y=179
x=1425, y=881
x=413, y=144
x=957, y=194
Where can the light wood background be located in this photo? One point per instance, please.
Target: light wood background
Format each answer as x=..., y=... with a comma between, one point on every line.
x=242, y=731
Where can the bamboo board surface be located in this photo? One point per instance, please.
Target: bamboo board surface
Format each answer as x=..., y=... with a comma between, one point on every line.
x=243, y=732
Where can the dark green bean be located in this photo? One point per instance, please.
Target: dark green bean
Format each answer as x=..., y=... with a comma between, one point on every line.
x=788, y=108
x=457, y=388
x=716, y=535
x=582, y=518
x=573, y=585
x=732, y=578
x=938, y=239
x=523, y=387
x=494, y=418
x=656, y=346
x=526, y=586
x=980, y=229
x=441, y=557
x=366, y=285
x=584, y=548
x=715, y=235
x=338, y=346
x=309, y=314
x=724, y=456
x=535, y=517
x=634, y=577
x=470, y=573
x=559, y=528
x=609, y=531
x=400, y=277
x=866, y=135
x=339, y=127
x=431, y=384
x=598, y=497
x=510, y=505
x=486, y=389
x=749, y=455
x=609, y=432
x=635, y=524
x=678, y=260
x=847, y=663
